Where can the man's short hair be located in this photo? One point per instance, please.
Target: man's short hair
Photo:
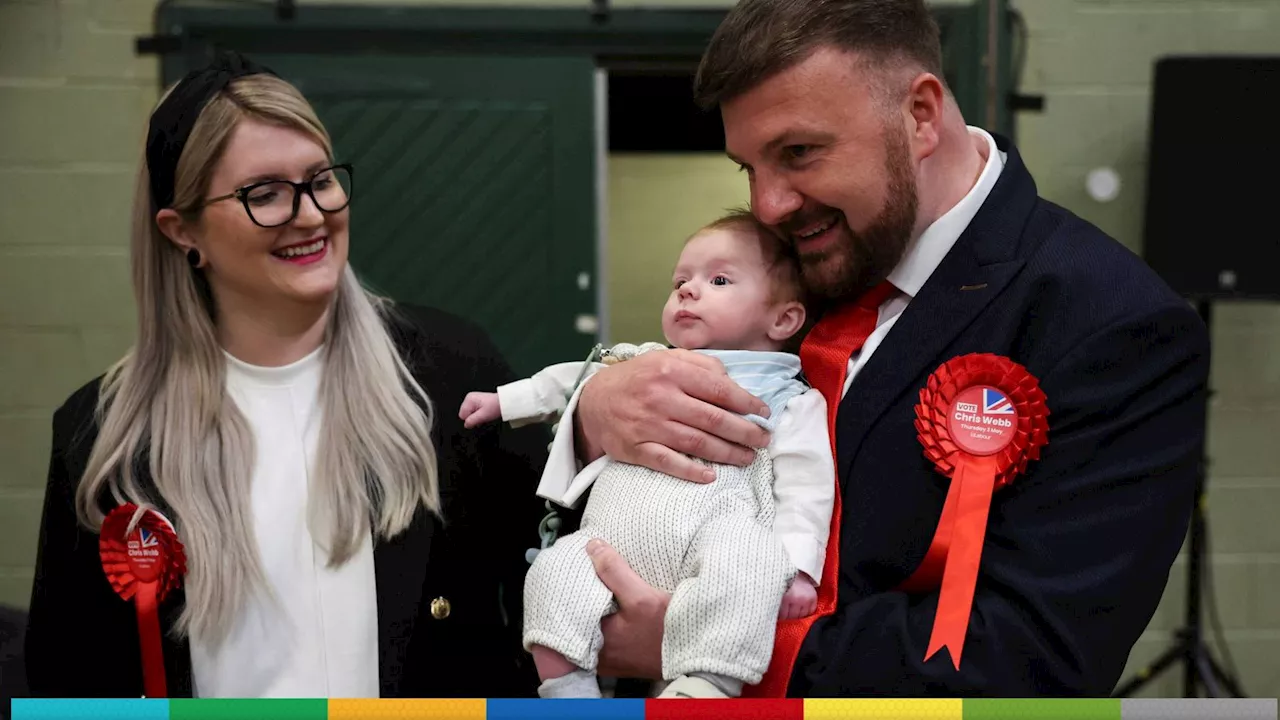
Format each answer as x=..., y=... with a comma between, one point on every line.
x=780, y=257
x=760, y=38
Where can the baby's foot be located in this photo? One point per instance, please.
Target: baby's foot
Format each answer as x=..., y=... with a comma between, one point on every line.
x=688, y=686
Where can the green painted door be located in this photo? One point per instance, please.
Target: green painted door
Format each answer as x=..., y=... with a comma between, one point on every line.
x=474, y=187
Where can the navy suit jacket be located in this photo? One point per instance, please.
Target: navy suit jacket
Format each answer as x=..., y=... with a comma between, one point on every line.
x=1078, y=549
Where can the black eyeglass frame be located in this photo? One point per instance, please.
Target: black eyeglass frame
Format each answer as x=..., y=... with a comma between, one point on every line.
x=242, y=194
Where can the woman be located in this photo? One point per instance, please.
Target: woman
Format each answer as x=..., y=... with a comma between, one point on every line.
x=341, y=533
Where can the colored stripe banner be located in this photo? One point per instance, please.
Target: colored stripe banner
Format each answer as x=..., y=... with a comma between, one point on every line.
x=746, y=709
x=1042, y=709
x=81, y=709
x=1252, y=709
x=235, y=709
x=883, y=709
x=407, y=709
x=480, y=709
x=566, y=709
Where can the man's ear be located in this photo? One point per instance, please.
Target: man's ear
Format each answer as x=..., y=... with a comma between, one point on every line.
x=787, y=320
x=178, y=230
x=925, y=105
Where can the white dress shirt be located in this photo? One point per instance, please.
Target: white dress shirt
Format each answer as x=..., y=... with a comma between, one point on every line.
x=925, y=253
x=314, y=632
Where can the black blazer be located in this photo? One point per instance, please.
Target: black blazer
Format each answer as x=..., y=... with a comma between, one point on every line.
x=82, y=639
x=1078, y=550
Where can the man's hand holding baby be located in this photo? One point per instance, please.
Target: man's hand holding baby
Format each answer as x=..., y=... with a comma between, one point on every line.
x=678, y=404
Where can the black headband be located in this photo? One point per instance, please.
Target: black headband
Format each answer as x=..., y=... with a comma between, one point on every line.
x=171, y=123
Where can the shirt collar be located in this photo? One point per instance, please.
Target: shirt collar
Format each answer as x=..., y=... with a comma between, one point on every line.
x=925, y=253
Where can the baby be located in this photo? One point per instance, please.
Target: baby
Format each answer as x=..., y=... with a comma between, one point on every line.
x=736, y=553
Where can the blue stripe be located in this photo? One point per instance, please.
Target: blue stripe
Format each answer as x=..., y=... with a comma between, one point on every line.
x=563, y=709
x=102, y=709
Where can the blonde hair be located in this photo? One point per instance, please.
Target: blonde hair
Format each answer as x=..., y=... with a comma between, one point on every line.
x=166, y=403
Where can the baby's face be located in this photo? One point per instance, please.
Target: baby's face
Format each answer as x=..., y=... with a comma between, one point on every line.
x=721, y=295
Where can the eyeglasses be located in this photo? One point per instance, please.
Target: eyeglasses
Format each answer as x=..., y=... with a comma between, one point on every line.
x=275, y=202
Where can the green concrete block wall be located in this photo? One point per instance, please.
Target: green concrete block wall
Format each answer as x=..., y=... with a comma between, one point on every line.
x=1092, y=59
x=74, y=98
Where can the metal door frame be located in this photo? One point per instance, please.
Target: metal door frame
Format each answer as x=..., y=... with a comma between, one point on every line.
x=977, y=56
x=977, y=42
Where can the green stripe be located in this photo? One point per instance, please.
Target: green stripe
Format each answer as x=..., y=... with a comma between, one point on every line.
x=1099, y=709
x=210, y=709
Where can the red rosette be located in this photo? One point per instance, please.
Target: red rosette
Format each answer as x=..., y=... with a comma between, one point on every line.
x=934, y=413
x=144, y=561
x=981, y=419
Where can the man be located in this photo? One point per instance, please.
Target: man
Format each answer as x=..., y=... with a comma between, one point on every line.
x=857, y=153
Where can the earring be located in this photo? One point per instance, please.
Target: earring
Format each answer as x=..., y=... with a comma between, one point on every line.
x=193, y=257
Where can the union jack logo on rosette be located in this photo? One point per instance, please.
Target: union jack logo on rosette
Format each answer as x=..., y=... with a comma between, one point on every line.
x=981, y=418
x=144, y=562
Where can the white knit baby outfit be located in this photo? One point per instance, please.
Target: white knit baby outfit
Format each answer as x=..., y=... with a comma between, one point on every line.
x=710, y=545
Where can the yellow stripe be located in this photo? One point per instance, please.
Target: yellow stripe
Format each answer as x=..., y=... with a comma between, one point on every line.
x=883, y=709
x=406, y=709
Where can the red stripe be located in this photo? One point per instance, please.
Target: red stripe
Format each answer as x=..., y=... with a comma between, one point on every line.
x=734, y=709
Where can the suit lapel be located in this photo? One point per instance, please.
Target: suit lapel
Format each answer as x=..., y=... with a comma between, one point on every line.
x=914, y=346
x=400, y=567
x=979, y=265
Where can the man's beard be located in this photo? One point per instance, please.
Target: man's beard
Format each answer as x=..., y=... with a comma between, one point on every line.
x=862, y=259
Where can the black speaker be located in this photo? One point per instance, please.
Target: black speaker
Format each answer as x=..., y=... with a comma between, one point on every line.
x=1213, y=177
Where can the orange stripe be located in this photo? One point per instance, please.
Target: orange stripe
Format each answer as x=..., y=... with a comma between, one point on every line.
x=406, y=710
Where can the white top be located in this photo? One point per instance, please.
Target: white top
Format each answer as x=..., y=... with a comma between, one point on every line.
x=925, y=253
x=802, y=465
x=318, y=635
x=922, y=257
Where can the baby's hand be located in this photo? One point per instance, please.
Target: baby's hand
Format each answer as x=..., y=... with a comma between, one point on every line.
x=801, y=599
x=479, y=408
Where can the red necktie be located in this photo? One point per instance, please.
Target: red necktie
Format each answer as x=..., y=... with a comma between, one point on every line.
x=824, y=355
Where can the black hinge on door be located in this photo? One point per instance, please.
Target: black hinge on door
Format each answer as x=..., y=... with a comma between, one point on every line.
x=600, y=11
x=158, y=44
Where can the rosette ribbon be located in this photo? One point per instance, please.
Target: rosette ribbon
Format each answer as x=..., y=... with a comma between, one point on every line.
x=143, y=561
x=981, y=418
